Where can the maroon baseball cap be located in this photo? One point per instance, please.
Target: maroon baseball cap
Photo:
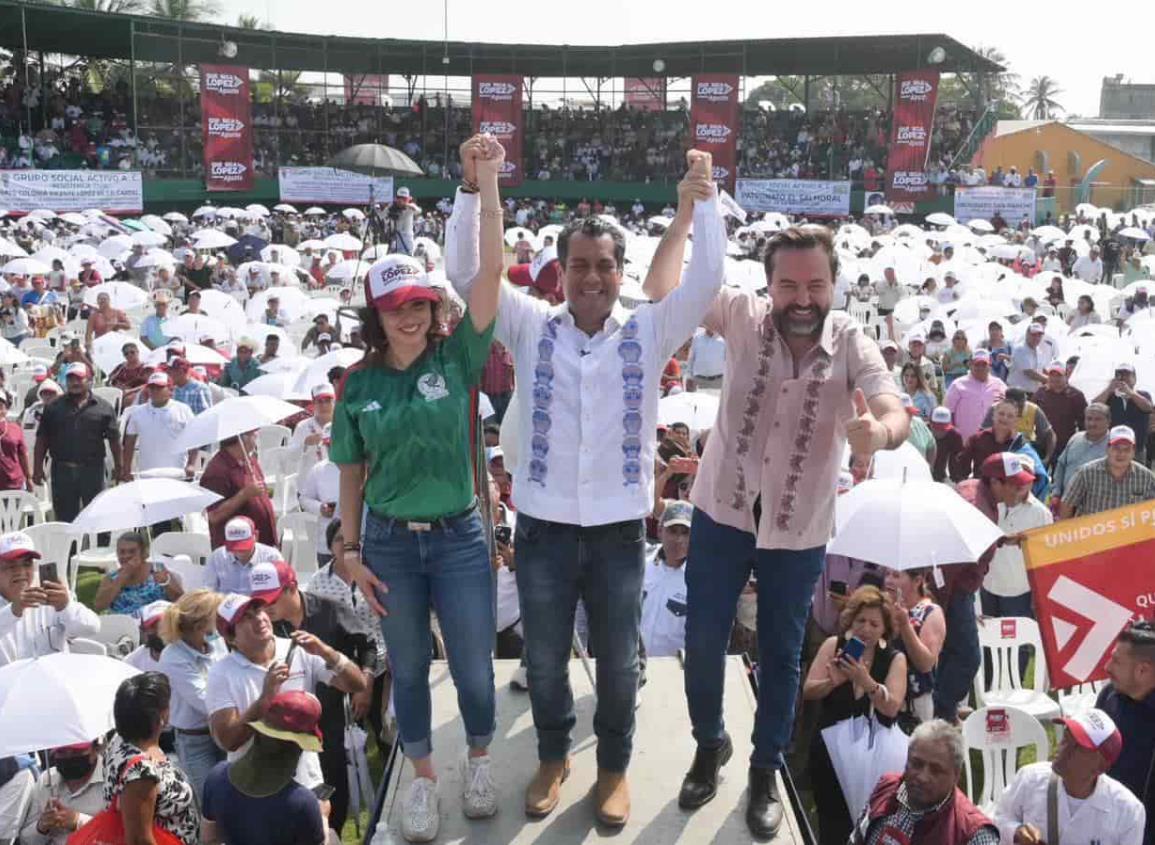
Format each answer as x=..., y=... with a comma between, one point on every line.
x=293, y=716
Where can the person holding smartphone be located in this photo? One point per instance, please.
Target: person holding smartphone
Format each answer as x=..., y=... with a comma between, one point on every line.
x=854, y=673
x=136, y=581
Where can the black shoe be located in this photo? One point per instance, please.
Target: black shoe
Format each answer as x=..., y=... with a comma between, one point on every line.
x=764, y=812
x=701, y=782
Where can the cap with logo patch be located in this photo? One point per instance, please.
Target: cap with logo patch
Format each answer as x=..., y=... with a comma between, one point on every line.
x=16, y=545
x=230, y=611
x=269, y=579
x=396, y=280
x=152, y=612
x=1008, y=466
x=1094, y=730
x=240, y=534
x=940, y=415
x=678, y=513
x=159, y=379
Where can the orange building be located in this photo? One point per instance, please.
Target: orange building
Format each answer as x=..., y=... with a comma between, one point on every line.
x=1086, y=169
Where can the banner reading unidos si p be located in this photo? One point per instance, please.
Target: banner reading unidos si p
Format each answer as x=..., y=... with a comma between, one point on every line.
x=112, y=191
x=331, y=185
x=984, y=201
x=1090, y=576
x=795, y=196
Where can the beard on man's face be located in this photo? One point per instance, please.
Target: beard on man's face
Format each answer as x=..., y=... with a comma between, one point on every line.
x=800, y=321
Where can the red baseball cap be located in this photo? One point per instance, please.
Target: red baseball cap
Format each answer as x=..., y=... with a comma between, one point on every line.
x=293, y=716
x=240, y=534
x=17, y=545
x=267, y=581
x=1008, y=466
x=1094, y=730
x=230, y=611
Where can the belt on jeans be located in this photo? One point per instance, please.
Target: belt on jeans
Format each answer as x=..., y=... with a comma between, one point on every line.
x=76, y=465
x=193, y=732
x=439, y=523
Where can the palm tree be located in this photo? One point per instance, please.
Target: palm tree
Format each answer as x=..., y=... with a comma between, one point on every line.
x=1039, y=98
x=249, y=22
x=116, y=7
x=185, y=10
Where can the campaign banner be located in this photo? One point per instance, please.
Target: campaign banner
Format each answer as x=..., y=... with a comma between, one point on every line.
x=228, y=136
x=645, y=93
x=811, y=197
x=112, y=191
x=913, y=122
x=332, y=186
x=1090, y=577
x=714, y=123
x=983, y=202
x=497, y=110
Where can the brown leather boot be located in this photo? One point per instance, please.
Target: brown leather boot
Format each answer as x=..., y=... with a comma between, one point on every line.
x=612, y=798
x=544, y=791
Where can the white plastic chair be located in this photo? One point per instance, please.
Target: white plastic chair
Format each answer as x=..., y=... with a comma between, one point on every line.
x=285, y=499
x=278, y=461
x=80, y=645
x=114, y=396
x=94, y=556
x=38, y=349
x=119, y=634
x=52, y=540
x=191, y=574
x=298, y=541
x=272, y=437
x=1080, y=698
x=195, y=545
x=998, y=733
x=1000, y=640
x=18, y=507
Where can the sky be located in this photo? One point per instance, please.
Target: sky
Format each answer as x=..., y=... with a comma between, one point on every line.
x=1105, y=45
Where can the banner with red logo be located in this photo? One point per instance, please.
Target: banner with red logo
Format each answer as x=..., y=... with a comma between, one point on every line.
x=228, y=136
x=1090, y=577
x=497, y=110
x=714, y=123
x=906, y=176
x=646, y=93
x=366, y=89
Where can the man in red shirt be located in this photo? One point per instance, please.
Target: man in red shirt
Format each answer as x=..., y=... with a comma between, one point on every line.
x=1064, y=405
x=948, y=443
x=235, y=473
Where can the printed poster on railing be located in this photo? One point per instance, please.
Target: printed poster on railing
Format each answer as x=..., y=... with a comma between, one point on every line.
x=226, y=119
x=984, y=201
x=812, y=197
x=112, y=191
x=497, y=110
x=714, y=123
x=907, y=181
x=333, y=186
x=1090, y=577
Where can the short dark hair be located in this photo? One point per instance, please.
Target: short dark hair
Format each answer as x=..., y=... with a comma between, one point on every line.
x=331, y=531
x=592, y=227
x=1016, y=395
x=139, y=706
x=1141, y=637
x=799, y=238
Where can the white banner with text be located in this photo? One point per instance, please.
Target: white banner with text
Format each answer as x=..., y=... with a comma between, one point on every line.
x=333, y=186
x=983, y=202
x=795, y=196
x=112, y=191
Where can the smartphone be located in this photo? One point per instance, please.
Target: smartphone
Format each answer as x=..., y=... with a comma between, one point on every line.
x=323, y=791
x=48, y=573
x=503, y=534
x=289, y=656
x=853, y=649
x=838, y=588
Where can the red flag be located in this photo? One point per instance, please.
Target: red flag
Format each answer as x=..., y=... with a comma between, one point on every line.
x=714, y=121
x=228, y=136
x=497, y=110
x=906, y=177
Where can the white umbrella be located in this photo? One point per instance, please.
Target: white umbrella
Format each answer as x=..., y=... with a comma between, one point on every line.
x=284, y=208
x=697, y=410
x=905, y=462
x=314, y=210
x=980, y=225
x=659, y=221
x=878, y=208
x=157, y=257
x=205, y=211
x=212, y=239
x=223, y=307
x=862, y=751
x=313, y=244
x=910, y=525
x=318, y=370
x=257, y=208
x=26, y=267
x=347, y=270
x=10, y=354
x=192, y=328
x=48, y=254
x=157, y=224
x=344, y=242
x=149, y=238
x=292, y=302
x=58, y=699
x=234, y=416
x=940, y=218
x=141, y=503
x=106, y=349
x=281, y=254
x=73, y=218
x=195, y=353
x=277, y=385
x=7, y=248
x=517, y=233
x=376, y=252
x=122, y=295
x=1135, y=233
x=175, y=217
x=353, y=214
x=281, y=364
x=115, y=245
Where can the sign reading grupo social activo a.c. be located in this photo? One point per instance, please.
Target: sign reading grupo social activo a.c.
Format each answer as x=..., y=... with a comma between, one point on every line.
x=112, y=191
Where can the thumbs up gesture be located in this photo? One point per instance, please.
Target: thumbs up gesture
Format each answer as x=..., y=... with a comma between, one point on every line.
x=865, y=433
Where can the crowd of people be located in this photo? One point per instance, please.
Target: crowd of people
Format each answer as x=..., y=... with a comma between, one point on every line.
x=679, y=538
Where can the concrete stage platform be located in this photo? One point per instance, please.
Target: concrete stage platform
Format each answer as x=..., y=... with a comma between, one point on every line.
x=663, y=749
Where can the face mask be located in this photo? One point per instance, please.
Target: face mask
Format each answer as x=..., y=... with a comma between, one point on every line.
x=74, y=768
x=212, y=638
x=748, y=611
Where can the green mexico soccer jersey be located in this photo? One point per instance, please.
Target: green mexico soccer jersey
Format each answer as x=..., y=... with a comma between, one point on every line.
x=412, y=428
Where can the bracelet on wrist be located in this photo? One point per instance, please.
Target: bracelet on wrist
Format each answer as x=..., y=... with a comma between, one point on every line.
x=492, y=212
x=469, y=186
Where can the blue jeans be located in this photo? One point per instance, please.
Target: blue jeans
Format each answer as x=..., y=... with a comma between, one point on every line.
x=960, y=657
x=449, y=569
x=720, y=562
x=603, y=565
x=198, y=754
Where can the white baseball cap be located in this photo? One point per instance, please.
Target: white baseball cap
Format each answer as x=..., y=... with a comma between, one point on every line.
x=322, y=390
x=1036, y=328
x=49, y=386
x=402, y=193
x=1121, y=434
x=397, y=279
x=230, y=610
x=240, y=534
x=151, y=613
x=269, y=579
x=17, y=544
x=159, y=379
x=1094, y=730
x=941, y=415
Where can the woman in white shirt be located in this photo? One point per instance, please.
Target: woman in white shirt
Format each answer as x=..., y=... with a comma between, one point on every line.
x=1084, y=314
x=192, y=646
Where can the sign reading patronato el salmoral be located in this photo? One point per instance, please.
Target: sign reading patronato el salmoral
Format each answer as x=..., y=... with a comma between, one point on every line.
x=795, y=196
x=333, y=186
x=1090, y=576
x=114, y=191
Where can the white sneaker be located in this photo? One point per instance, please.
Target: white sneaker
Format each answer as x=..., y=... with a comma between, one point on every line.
x=479, y=792
x=421, y=814
x=520, y=680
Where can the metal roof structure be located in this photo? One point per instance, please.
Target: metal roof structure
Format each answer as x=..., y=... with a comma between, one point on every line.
x=57, y=29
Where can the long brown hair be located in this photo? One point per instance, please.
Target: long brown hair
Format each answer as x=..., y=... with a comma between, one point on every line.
x=373, y=333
